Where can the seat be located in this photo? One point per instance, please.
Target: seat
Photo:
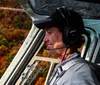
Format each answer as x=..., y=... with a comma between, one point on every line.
x=92, y=47
x=96, y=69
x=96, y=55
x=92, y=50
x=92, y=42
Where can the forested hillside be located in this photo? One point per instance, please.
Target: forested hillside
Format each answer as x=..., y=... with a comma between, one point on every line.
x=9, y=3
x=14, y=27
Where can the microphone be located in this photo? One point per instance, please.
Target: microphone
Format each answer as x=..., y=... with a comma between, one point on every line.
x=56, y=48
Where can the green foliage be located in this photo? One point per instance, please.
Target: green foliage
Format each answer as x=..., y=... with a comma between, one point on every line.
x=7, y=44
x=10, y=58
x=4, y=42
x=10, y=45
x=18, y=23
x=28, y=23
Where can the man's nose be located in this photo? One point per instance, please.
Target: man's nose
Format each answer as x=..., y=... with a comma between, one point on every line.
x=45, y=39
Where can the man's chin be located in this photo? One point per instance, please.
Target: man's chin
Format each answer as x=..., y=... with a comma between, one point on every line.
x=53, y=53
x=50, y=48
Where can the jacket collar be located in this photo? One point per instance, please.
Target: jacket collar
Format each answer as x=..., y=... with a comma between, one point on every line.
x=62, y=67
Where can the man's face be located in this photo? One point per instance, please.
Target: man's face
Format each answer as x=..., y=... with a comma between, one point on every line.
x=53, y=38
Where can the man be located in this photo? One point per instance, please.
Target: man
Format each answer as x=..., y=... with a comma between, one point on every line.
x=63, y=31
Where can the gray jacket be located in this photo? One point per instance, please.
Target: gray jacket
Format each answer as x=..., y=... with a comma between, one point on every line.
x=73, y=71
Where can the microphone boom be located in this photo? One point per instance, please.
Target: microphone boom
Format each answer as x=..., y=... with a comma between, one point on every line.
x=55, y=48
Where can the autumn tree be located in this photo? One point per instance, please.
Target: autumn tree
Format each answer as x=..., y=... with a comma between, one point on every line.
x=3, y=65
x=3, y=50
x=40, y=81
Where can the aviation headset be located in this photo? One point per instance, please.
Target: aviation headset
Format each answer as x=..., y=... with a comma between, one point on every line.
x=70, y=33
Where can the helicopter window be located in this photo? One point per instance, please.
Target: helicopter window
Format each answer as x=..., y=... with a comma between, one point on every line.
x=87, y=10
x=15, y=26
x=36, y=73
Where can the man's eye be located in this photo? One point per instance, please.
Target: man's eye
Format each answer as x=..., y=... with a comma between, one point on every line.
x=49, y=32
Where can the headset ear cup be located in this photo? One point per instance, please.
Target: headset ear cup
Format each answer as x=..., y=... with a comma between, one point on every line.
x=70, y=36
x=70, y=33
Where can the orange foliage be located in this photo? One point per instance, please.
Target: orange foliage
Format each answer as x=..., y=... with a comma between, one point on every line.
x=2, y=59
x=15, y=49
x=3, y=50
x=13, y=34
x=40, y=81
x=3, y=65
